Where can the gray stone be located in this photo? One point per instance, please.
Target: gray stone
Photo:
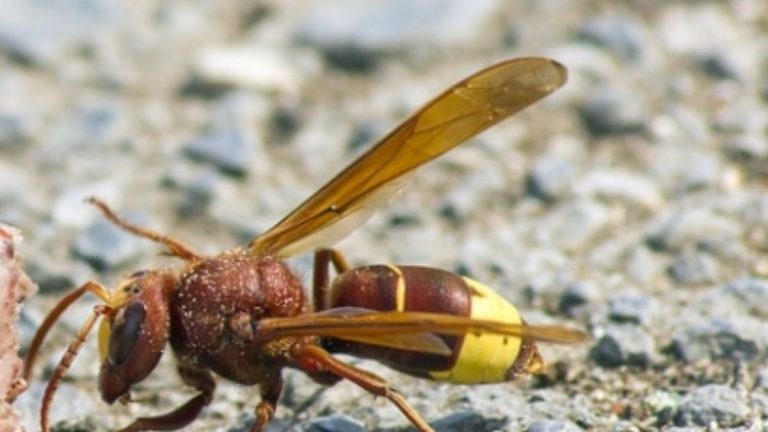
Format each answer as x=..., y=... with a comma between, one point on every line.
x=633, y=308
x=619, y=184
x=230, y=150
x=550, y=178
x=71, y=404
x=550, y=404
x=734, y=339
x=198, y=187
x=41, y=31
x=69, y=209
x=623, y=35
x=15, y=131
x=624, y=426
x=334, y=423
x=467, y=421
x=762, y=377
x=577, y=294
x=248, y=67
x=90, y=127
x=751, y=293
x=713, y=403
x=748, y=147
x=693, y=228
x=662, y=404
x=574, y=224
x=56, y=277
x=105, y=246
x=611, y=111
x=741, y=117
x=624, y=345
x=353, y=34
x=693, y=268
x=552, y=426
x=759, y=404
x=720, y=65
x=643, y=265
x=683, y=168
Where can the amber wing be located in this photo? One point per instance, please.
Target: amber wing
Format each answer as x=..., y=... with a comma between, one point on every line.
x=461, y=112
x=404, y=330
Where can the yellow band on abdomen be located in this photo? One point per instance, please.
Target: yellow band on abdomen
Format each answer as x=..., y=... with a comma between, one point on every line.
x=399, y=288
x=485, y=358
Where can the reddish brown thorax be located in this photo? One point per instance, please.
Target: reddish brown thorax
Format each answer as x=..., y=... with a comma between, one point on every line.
x=217, y=304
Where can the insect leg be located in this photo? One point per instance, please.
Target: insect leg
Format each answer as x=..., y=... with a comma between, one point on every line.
x=66, y=362
x=175, y=247
x=201, y=380
x=265, y=409
x=320, y=279
x=314, y=357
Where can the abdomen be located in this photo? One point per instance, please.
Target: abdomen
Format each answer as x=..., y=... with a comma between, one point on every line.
x=474, y=358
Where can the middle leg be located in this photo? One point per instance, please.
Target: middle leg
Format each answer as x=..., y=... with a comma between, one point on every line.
x=265, y=409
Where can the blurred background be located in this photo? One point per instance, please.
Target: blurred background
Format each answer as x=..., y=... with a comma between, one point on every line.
x=630, y=203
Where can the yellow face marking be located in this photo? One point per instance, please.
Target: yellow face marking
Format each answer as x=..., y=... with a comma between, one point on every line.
x=118, y=298
x=485, y=358
x=121, y=295
x=105, y=330
x=399, y=288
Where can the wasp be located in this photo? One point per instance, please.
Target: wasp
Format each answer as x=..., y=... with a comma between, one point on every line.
x=243, y=314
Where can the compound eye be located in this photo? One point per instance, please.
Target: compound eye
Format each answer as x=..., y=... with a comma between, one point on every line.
x=125, y=332
x=137, y=274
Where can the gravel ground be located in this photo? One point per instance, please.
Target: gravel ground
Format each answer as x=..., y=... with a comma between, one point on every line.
x=630, y=203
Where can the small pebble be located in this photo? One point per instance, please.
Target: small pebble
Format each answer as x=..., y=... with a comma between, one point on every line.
x=623, y=35
x=14, y=131
x=662, y=404
x=694, y=268
x=334, y=423
x=624, y=345
x=55, y=277
x=552, y=426
x=229, y=150
x=643, y=265
x=467, y=421
x=577, y=294
x=712, y=403
x=248, y=67
x=633, y=308
x=733, y=339
x=622, y=185
x=550, y=178
x=611, y=111
x=624, y=426
x=105, y=246
x=41, y=32
x=693, y=228
x=353, y=35
x=751, y=293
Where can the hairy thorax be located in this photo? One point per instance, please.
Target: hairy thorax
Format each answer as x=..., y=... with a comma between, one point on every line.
x=220, y=300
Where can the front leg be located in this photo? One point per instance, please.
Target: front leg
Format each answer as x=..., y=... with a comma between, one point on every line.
x=201, y=380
